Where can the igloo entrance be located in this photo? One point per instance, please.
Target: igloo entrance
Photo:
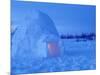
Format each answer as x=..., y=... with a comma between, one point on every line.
x=53, y=49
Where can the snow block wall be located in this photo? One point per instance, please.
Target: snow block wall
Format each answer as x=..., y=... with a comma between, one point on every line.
x=32, y=32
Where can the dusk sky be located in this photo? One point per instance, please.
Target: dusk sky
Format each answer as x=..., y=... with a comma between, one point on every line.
x=68, y=18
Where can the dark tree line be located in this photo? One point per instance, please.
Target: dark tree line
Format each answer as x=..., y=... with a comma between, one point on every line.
x=86, y=36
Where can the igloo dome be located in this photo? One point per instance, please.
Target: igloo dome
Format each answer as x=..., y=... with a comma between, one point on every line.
x=34, y=35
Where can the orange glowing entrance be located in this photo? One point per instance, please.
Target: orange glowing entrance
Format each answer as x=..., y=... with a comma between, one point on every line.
x=53, y=49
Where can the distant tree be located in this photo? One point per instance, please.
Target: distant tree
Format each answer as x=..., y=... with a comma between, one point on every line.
x=67, y=36
x=63, y=37
x=70, y=37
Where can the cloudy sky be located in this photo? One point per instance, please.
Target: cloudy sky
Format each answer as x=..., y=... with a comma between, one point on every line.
x=68, y=18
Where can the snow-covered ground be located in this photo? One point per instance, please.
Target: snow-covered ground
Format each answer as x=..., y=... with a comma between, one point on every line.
x=77, y=56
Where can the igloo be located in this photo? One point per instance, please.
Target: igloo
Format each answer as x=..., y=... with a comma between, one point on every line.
x=34, y=35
